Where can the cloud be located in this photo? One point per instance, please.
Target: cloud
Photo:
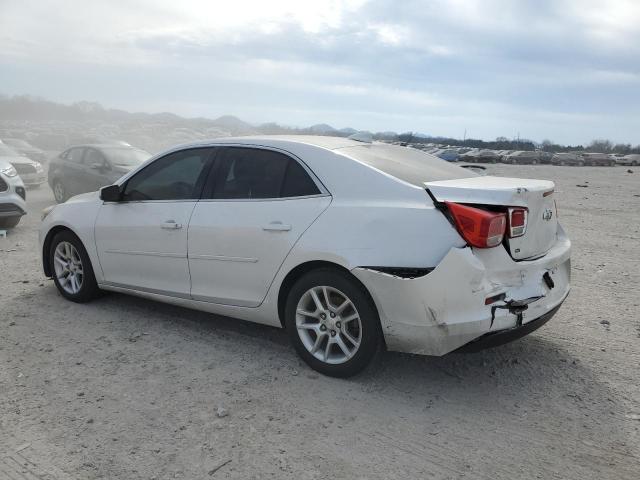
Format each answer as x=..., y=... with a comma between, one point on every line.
x=564, y=69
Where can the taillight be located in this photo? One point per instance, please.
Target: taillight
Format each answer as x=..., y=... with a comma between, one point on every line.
x=479, y=228
x=517, y=217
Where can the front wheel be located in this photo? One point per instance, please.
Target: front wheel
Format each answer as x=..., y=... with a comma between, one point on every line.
x=71, y=268
x=332, y=323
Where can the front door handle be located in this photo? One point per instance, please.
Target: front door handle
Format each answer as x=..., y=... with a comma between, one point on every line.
x=277, y=227
x=171, y=225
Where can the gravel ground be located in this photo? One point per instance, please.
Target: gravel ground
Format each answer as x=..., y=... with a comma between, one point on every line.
x=124, y=388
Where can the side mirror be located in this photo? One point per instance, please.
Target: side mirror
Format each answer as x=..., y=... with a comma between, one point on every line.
x=111, y=193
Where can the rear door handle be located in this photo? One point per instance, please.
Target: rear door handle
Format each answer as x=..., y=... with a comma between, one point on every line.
x=171, y=225
x=277, y=227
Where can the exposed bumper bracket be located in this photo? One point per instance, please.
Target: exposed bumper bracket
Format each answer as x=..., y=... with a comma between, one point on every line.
x=515, y=307
x=493, y=339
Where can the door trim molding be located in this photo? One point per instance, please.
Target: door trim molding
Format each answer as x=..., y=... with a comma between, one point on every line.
x=223, y=258
x=149, y=254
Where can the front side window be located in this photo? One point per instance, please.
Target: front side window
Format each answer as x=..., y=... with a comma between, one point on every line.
x=176, y=176
x=75, y=155
x=251, y=173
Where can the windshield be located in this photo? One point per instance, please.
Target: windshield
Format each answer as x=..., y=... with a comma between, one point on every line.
x=408, y=164
x=126, y=157
x=7, y=152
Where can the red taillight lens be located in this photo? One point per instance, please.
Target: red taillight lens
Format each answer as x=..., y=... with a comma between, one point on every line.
x=479, y=228
x=517, y=221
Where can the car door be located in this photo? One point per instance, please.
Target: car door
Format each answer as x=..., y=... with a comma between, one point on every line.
x=72, y=170
x=142, y=239
x=97, y=170
x=256, y=204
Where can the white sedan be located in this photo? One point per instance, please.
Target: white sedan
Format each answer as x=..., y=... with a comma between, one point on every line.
x=350, y=245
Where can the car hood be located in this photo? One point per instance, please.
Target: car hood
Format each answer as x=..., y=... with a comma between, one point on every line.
x=122, y=169
x=18, y=159
x=84, y=197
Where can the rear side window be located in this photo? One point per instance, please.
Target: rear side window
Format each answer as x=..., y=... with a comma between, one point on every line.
x=297, y=182
x=248, y=173
x=176, y=176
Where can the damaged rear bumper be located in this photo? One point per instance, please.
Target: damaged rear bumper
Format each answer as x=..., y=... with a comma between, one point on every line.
x=494, y=339
x=445, y=309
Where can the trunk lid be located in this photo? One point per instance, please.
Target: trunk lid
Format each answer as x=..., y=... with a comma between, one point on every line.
x=535, y=195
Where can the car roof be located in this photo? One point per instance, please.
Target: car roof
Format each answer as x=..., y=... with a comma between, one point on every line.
x=329, y=143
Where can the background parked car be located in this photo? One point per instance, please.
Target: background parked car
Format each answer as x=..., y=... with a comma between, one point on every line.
x=598, y=159
x=25, y=148
x=574, y=159
x=30, y=171
x=523, y=157
x=12, y=196
x=545, y=157
x=449, y=155
x=631, y=159
x=481, y=156
x=86, y=168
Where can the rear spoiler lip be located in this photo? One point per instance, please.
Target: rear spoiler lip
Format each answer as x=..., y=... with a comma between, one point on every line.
x=488, y=190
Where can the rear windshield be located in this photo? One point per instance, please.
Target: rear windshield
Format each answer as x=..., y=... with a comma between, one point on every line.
x=126, y=157
x=407, y=164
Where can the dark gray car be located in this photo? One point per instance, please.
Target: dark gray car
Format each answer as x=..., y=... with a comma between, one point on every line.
x=87, y=168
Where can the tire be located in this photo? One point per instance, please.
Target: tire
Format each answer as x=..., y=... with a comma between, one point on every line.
x=59, y=191
x=80, y=286
x=580, y=164
x=534, y=162
x=9, y=222
x=319, y=343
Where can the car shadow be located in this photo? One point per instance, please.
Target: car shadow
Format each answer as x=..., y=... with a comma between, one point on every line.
x=533, y=363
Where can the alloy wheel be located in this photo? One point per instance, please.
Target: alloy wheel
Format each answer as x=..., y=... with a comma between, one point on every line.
x=328, y=324
x=58, y=192
x=67, y=265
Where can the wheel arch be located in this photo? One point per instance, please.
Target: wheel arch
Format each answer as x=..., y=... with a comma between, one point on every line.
x=46, y=246
x=297, y=272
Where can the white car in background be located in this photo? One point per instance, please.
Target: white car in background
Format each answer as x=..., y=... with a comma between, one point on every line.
x=30, y=171
x=12, y=196
x=349, y=245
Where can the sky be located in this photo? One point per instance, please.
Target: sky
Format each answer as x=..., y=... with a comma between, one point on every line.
x=564, y=70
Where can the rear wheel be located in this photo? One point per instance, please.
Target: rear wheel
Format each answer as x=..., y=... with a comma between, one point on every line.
x=59, y=191
x=332, y=323
x=71, y=268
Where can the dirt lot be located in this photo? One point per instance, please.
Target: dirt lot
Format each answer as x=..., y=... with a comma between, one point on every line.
x=124, y=388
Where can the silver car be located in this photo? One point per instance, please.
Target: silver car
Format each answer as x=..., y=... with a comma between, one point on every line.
x=12, y=196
